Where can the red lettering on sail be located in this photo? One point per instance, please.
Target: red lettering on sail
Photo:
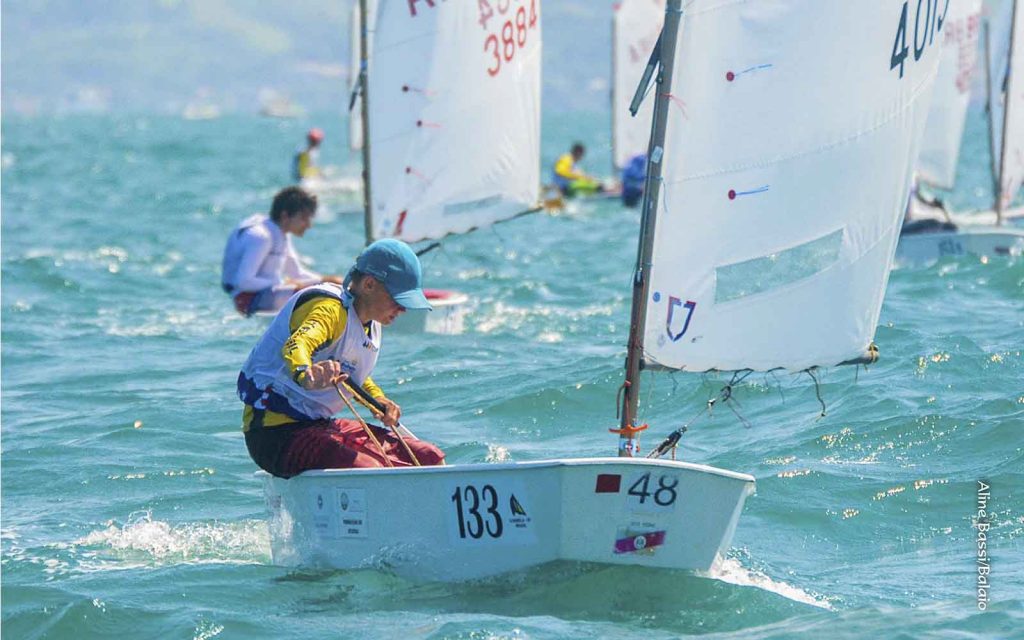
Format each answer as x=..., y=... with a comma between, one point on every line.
x=510, y=36
x=412, y=6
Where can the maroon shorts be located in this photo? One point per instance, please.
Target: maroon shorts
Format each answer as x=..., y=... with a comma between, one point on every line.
x=243, y=302
x=289, y=450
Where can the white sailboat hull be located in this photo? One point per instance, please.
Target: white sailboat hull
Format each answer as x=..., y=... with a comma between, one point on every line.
x=335, y=187
x=463, y=522
x=447, y=318
x=983, y=241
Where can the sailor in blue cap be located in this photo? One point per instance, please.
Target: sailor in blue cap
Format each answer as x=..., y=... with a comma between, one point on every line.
x=327, y=334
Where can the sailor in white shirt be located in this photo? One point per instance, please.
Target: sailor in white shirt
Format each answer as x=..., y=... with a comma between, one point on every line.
x=261, y=269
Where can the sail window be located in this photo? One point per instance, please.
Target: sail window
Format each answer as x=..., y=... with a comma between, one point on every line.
x=757, y=275
x=456, y=208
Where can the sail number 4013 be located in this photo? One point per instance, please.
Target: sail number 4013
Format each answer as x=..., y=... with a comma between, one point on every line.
x=927, y=23
x=661, y=493
x=477, y=511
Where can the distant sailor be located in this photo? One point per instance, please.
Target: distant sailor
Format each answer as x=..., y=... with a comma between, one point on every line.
x=634, y=174
x=261, y=269
x=324, y=335
x=569, y=179
x=931, y=205
x=305, y=162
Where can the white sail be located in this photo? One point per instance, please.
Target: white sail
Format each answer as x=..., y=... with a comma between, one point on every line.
x=455, y=99
x=940, y=146
x=1011, y=173
x=635, y=28
x=791, y=137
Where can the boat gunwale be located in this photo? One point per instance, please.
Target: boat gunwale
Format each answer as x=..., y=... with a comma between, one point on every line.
x=561, y=462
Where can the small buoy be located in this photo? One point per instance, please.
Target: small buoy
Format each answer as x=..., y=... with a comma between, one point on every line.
x=138, y=424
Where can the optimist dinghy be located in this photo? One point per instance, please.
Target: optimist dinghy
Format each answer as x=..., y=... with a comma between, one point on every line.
x=449, y=100
x=741, y=265
x=933, y=232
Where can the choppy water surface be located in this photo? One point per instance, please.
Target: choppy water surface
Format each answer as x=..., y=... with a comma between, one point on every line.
x=129, y=503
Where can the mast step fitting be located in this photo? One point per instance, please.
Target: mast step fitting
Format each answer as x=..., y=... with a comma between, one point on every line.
x=628, y=432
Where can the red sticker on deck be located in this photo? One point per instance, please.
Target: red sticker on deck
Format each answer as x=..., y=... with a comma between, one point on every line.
x=635, y=542
x=608, y=483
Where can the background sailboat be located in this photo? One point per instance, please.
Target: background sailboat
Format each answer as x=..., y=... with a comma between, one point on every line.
x=335, y=186
x=940, y=147
x=803, y=291
x=636, y=25
x=451, y=112
x=934, y=232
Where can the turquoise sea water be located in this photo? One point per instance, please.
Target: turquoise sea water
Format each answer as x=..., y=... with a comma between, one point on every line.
x=129, y=506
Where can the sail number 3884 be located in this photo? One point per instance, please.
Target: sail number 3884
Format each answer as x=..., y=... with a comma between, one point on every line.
x=927, y=22
x=509, y=36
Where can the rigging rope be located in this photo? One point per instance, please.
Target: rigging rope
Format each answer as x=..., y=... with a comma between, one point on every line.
x=379, y=414
x=365, y=426
x=724, y=395
x=817, y=391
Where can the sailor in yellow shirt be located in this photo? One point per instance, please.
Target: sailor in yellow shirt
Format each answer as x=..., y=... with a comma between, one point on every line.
x=568, y=178
x=324, y=335
x=304, y=163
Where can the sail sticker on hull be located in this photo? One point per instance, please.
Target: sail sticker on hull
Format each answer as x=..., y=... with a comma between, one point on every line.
x=351, y=510
x=324, y=522
x=519, y=518
x=514, y=506
x=608, y=483
x=639, y=538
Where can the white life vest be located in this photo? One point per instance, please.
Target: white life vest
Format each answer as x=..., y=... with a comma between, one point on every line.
x=237, y=244
x=355, y=350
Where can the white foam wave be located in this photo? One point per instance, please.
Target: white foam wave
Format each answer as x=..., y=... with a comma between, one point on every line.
x=731, y=571
x=497, y=453
x=143, y=541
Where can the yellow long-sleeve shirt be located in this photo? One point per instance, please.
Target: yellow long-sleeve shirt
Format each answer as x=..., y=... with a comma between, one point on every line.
x=565, y=167
x=315, y=323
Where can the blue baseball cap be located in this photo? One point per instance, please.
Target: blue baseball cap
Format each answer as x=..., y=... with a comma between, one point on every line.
x=395, y=265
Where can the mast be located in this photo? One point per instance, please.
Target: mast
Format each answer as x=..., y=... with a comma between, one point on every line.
x=988, y=108
x=1006, y=116
x=364, y=84
x=652, y=187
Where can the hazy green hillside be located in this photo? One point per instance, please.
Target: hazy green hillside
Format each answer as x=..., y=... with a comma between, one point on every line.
x=157, y=55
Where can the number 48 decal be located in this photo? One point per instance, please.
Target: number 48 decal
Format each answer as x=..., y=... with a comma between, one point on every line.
x=663, y=495
x=924, y=31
